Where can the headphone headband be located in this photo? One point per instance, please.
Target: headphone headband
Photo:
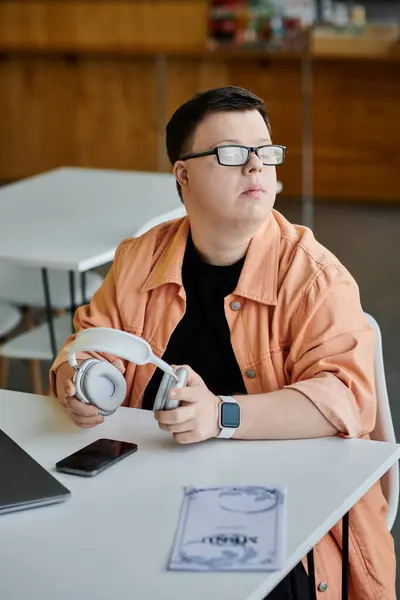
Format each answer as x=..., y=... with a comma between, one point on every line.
x=118, y=343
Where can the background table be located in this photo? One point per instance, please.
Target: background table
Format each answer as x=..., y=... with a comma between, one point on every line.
x=73, y=219
x=113, y=537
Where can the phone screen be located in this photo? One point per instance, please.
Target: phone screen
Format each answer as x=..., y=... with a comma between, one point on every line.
x=96, y=457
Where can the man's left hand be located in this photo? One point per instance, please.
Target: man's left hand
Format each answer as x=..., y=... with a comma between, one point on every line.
x=196, y=419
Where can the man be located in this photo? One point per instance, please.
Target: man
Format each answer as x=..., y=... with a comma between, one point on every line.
x=260, y=312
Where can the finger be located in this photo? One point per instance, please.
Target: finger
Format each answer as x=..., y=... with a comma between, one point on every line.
x=186, y=394
x=85, y=425
x=176, y=415
x=193, y=377
x=163, y=426
x=179, y=427
x=78, y=419
x=94, y=420
x=187, y=437
x=119, y=364
x=69, y=388
x=80, y=409
x=87, y=421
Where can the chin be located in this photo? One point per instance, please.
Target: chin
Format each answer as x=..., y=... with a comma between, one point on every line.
x=258, y=206
x=249, y=219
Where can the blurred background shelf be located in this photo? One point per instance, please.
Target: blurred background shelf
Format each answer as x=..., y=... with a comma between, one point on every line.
x=377, y=42
x=93, y=84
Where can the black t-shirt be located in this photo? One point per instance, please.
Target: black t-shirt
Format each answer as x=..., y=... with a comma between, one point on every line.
x=202, y=338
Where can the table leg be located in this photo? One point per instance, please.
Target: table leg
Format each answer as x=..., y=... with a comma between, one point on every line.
x=49, y=312
x=72, y=296
x=345, y=564
x=312, y=587
x=345, y=557
x=83, y=287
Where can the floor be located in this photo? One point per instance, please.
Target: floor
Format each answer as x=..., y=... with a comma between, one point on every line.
x=365, y=239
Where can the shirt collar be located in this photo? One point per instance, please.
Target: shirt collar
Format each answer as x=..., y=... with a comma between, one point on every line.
x=259, y=276
x=168, y=268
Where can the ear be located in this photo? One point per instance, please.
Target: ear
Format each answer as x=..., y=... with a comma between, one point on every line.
x=181, y=173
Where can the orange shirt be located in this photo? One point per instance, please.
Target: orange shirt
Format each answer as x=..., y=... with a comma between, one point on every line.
x=300, y=325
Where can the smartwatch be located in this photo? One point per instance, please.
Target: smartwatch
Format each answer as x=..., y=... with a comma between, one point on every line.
x=229, y=416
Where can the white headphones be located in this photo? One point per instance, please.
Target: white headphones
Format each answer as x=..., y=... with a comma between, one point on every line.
x=100, y=383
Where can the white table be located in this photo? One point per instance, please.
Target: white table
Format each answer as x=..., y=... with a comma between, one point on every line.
x=73, y=219
x=113, y=537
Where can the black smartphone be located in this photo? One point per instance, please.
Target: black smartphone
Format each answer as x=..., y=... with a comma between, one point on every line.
x=95, y=457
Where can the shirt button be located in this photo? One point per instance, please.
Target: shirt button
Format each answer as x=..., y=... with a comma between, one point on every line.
x=235, y=305
x=323, y=586
x=251, y=373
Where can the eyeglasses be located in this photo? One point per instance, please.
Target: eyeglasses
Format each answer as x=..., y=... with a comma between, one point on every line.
x=237, y=156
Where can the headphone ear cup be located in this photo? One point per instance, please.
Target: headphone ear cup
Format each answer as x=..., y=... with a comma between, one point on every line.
x=78, y=377
x=162, y=400
x=99, y=383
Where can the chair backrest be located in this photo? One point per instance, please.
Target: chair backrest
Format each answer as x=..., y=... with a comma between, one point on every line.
x=176, y=213
x=384, y=430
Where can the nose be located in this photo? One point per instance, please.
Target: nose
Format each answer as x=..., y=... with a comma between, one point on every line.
x=254, y=164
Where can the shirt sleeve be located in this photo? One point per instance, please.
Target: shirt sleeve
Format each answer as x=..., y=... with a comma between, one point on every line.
x=331, y=360
x=102, y=311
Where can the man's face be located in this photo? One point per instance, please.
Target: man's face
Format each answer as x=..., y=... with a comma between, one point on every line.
x=228, y=198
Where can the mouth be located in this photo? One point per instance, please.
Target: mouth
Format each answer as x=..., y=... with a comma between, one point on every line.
x=253, y=191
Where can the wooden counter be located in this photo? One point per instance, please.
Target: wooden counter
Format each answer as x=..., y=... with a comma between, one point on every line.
x=85, y=84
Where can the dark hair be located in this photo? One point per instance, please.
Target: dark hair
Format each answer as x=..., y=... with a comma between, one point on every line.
x=183, y=123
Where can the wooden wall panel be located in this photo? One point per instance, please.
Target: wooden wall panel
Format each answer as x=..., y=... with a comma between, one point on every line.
x=101, y=25
x=187, y=76
x=356, y=125
x=104, y=113
x=80, y=113
x=84, y=110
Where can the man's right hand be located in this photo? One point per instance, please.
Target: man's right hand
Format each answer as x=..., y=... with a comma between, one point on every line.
x=83, y=415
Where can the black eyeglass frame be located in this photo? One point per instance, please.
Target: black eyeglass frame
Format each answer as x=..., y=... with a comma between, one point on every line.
x=250, y=150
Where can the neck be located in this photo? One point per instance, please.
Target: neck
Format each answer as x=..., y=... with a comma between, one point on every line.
x=219, y=251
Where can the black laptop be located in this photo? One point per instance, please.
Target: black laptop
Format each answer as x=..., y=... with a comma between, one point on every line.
x=23, y=482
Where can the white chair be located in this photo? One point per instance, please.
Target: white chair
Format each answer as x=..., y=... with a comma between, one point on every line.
x=22, y=286
x=10, y=318
x=384, y=430
x=34, y=344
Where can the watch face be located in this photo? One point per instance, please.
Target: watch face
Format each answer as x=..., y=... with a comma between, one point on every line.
x=230, y=414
